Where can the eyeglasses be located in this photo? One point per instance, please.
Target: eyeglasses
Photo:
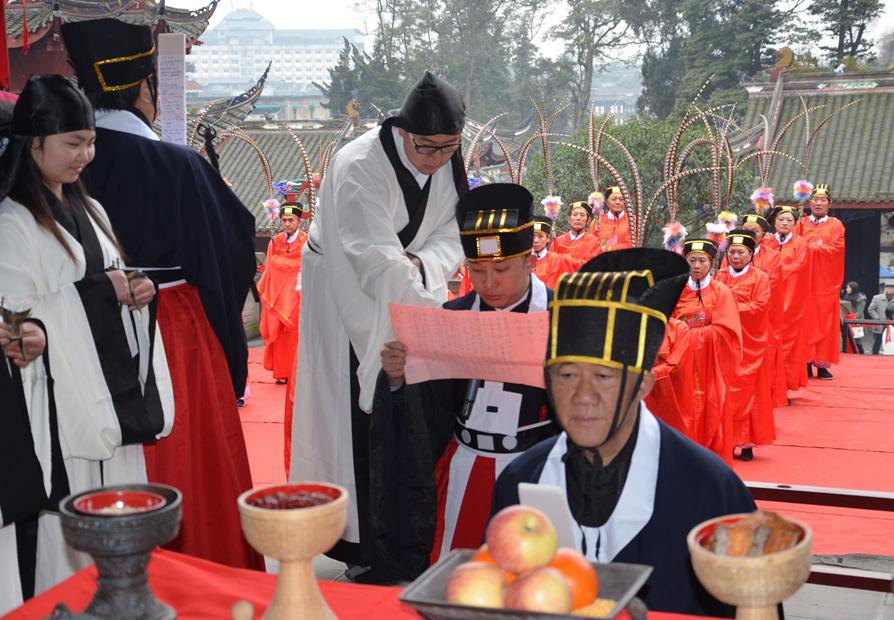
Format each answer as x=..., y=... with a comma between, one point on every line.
x=426, y=149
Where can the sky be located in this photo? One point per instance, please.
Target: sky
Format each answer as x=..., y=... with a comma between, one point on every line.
x=353, y=14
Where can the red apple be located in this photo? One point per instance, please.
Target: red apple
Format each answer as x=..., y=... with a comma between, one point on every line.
x=542, y=589
x=477, y=584
x=521, y=538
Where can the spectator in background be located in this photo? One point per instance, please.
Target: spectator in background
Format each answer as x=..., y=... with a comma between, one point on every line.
x=881, y=308
x=853, y=304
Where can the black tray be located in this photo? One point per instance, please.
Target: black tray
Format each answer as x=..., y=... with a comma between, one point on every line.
x=617, y=581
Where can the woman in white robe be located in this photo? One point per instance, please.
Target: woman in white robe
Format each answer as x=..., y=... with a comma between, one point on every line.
x=60, y=260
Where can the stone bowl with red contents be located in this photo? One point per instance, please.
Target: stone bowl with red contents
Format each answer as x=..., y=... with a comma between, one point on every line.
x=293, y=523
x=755, y=583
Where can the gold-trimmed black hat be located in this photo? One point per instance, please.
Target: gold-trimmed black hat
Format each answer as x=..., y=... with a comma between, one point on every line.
x=700, y=245
x=613, y=189
x=109, y=55
x=613, y=312
x=822, y=189
x=495, y=222
x=291, y=208
x=740, y=236
x=543, y=224
x=757, y=218
x=775, y=211
x=581, y=204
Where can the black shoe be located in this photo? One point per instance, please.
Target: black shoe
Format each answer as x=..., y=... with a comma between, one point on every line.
x=747, y=455
x=281, y=381
x=809, y=370
x=240, y=403
x=823, y=373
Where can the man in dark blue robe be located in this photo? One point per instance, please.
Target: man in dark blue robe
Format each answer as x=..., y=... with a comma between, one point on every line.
x=635, y=486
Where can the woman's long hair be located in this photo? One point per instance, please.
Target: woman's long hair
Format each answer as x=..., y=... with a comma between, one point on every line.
x=29, y=190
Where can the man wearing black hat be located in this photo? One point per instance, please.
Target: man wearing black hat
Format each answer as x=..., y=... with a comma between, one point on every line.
x=748, y=401
x=475, y=428
x=384, y=231
x=634, y=485
x=178, y=220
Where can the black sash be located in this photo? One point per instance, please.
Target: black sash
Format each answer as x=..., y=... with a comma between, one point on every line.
x=416, y=198
x=76, y=222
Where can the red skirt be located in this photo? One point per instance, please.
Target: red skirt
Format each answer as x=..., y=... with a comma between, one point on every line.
x=205, y=455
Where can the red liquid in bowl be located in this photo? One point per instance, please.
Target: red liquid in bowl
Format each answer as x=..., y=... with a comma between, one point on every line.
x=287, y=497
x=118, y=503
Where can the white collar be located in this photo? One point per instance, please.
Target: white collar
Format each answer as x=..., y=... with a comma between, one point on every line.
x=739, y=274
x=581, y=234
x=125, y=122
x=542, y=253
x=422, y=179
x=819, y=220
x=785, y=239
x=294, y=236
x=704, y=283
x=538, y=298
x=637, y=501
x=757, y=249
x=619, y=216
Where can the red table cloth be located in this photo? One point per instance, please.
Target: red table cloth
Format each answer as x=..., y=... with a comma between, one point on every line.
x=198, y=589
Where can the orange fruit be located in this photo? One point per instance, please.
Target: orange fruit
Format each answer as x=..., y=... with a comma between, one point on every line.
x=483, y=555
x=580, y=575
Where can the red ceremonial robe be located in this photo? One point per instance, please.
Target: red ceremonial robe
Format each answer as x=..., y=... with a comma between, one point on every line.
x=582, y=249
x=795, y=281
x=716, y=340
x=825, y=252
x=748, y=400
x=671, y=396
x=281, y=303
x=553, y=265
x=205, y=455
x=613, y=233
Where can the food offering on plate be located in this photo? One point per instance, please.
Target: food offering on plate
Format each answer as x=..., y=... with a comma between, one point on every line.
x=760, y=533
x=521, y=566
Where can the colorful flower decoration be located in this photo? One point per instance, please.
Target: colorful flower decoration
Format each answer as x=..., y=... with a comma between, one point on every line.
x=552, y=205
x=728, y=219
x=802, y=190
x=674, y=237
x=272, y=206
x=596, y=201
x=762, y=199
x=474, y=182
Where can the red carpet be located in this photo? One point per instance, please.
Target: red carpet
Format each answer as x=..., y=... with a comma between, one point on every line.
x=837, y=433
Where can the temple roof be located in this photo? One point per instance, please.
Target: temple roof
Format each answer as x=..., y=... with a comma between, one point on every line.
x=148, y=12
x=853, y=152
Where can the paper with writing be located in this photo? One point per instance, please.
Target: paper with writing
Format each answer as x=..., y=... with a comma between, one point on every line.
x=463, y=344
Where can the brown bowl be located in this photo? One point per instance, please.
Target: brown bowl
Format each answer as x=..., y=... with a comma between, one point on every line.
x=750, y=582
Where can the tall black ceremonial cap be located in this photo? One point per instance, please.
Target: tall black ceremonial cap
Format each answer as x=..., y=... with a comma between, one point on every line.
x=109, y=55
x=50, y=105
x=543, y=224
x=821, y=189
x=495, y=222
x=433, y=106
x=740, y=236
x=757, y=218
x=706, y=246
x=614, y=310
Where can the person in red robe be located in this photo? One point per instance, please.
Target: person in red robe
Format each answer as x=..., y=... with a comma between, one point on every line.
x=550, y=265
x=613, y=227
x=748, y=401
x=768, y=260
x=795, y=278
x=671, y=396
x=824, y=235
x=577, y=242
x=709, y=309
x=280, y=292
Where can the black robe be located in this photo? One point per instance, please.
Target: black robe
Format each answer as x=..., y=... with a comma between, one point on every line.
x=170, y=208
x=693, y=485
x=409, y=431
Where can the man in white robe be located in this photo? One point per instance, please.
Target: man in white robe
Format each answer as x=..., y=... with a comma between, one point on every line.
x=384, y=231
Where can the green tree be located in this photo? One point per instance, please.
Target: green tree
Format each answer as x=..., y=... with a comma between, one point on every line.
x=845, y=21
